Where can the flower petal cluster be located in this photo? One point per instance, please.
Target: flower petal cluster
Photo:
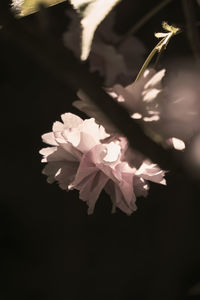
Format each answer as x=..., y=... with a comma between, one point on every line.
x=141, y=99
x=69, y=139
x=77, y=159
x=163, y=114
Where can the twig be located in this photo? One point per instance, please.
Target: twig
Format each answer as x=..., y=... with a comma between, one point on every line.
x=156, y=63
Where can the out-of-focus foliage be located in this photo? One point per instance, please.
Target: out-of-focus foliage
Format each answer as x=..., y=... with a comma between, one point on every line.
x=28, y=7
x=116, y=59
x=92, y=13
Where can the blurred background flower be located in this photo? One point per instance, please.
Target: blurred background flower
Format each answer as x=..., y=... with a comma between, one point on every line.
x=117, y=60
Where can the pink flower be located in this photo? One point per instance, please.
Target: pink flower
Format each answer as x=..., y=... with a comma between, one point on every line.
x=77, y=159
x=96, y=168
x=69, y=140
x=102, y=168
x=141, y=99
x=132, y=183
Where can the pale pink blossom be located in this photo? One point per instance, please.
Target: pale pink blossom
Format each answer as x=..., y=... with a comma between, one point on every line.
x=102, y=168
x=147, y=102
x=141, y=99
x=77, y=159
x=69, y=140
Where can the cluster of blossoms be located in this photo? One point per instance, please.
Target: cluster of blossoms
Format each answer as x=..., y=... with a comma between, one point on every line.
x=88, y=157
x=91, y=155
x=80, y=159
x=140, y=98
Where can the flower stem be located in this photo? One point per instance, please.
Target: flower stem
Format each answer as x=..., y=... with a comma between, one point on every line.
x=149, y=58
x=158, y=58
x=172, y=30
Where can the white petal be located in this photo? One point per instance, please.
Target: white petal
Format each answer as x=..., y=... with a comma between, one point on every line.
x=150, y=95
x=72, y=136
x=49, y=138
x=57, y=126
x=46, y=152
x=113, y=151
x=152, y=118
x=71, y=121
x=136, y=116
x=178, y=144
x=155, y=79
x=87, y=142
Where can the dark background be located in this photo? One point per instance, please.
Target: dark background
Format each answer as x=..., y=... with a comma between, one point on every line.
x=50, y=247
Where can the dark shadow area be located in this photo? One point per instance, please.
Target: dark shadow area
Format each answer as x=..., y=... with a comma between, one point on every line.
x=50, y=247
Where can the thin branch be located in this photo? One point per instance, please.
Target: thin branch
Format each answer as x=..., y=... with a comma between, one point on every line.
x=54, y=57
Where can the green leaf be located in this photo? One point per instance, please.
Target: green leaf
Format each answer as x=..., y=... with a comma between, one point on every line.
x=27, y=7
x=92, y=13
